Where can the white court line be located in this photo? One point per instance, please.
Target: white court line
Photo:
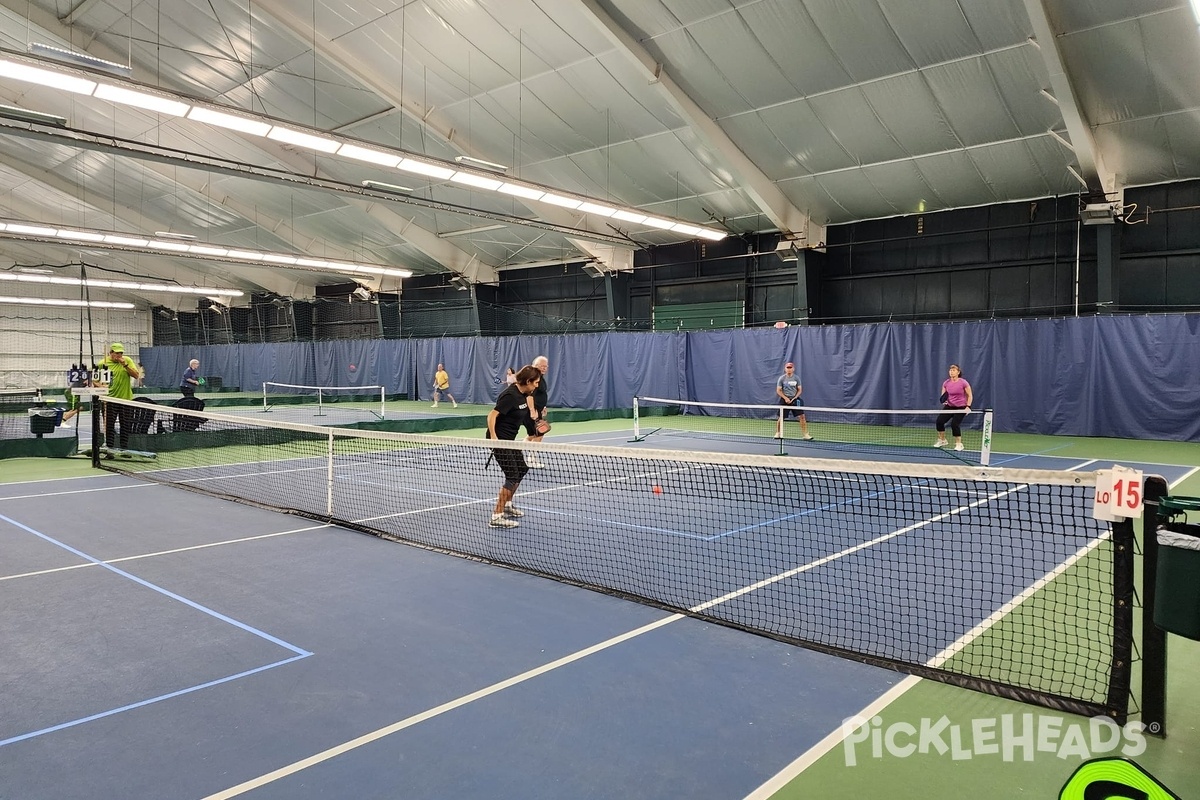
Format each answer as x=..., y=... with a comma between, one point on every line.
x=140, y=485
x=164, y=552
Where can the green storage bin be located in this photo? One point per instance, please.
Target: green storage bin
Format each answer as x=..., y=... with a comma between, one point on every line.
x=1177, y=587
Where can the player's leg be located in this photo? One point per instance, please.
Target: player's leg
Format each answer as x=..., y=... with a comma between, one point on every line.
x=956, y=429
x=512, y=479
x=804, y=426
x=435, y=397
x=452, y=400
x=942, y=419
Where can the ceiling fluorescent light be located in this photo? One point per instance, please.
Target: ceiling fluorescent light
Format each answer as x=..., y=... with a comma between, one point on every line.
x=425, y=168
x=685, y=229
x=80, y=236
x=386, y=187
x=42, y=301
x=560, y=200
x=44, y=77
x=79, y=59
x=25, y=115
x=470, y=231
x=150, y=102
x=596, y=208
x=102, y=284
x=175, y=247
x=471, y=179
x=367, y=154
x=710, y=234
x=1196, y=10
x=481, y=162
x=657, y=222
x=236, y=122
x=122, y=241
x=629, y=216
x=302, y=139
x=528, y=192
x=169, y=235
x=30, y=230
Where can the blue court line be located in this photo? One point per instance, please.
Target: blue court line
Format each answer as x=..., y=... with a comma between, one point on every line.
x=191, y=603
x=141, y=703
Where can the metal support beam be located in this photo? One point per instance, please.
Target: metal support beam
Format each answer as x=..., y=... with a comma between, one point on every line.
x=758, y=186
x=1100, y=181
x=1108, y=261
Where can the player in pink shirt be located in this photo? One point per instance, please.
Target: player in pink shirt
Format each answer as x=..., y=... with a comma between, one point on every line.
x=956, y=396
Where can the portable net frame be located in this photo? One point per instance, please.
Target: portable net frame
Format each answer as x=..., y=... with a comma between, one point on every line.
x=992, y=579
x=16, y=406
x=366, y=399
x=903, y=433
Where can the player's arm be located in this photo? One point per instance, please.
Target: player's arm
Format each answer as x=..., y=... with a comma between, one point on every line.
x=493, y=415
x=970, y=397
x=779, y=390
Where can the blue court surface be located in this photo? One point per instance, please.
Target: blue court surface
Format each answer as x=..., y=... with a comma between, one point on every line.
x=163, y=643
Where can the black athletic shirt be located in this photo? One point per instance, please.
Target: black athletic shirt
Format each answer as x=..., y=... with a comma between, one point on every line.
x=541, y=394
x=513, y=413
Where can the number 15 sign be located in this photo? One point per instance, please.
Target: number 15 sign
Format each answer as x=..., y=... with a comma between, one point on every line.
x=1118, y=494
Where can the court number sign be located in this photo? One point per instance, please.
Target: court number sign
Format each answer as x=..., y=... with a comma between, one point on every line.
x=1114, y=779
x=1118, y=494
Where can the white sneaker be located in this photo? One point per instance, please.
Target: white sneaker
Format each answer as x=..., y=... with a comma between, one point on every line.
x=512, y=511
x=434, y=405
x=67, y=424
x=456, y=405
x=808, y=437
x=500, y=521
x=533, y=463
x=958, y=446
x=940, y=444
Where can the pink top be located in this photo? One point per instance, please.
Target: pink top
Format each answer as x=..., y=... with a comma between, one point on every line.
x=956, y=392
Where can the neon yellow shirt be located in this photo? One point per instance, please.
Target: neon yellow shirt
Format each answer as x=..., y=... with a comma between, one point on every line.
x=121, y=384
x=441, y=379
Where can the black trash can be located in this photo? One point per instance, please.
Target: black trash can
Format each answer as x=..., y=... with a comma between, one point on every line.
x=1177, y=588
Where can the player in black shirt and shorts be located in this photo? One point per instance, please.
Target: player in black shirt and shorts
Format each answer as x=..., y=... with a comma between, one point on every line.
x=505, y=422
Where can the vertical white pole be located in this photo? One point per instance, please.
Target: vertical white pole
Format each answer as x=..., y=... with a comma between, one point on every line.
x=265, y=398
x=985, y=449
x=329, y=477
x=636, y=428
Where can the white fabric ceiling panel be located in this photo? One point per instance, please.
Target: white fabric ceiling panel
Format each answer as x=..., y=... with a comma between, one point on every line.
x=648, y=20
x=972, y=103
x=995, y=24
x=912, y=116
x=955, y=180
x=693, y=69
x=753, y=135
x=1096, y=13
x=850, y=119
x=901, y=187
x=861, y=37
x=1020, y=75
x=851, y=190
x=1146, y=150
x=812, y=147
x=727, y=44
x=688, y=12
x=932, y=31
x=1017, y=170
x=803, y=54
x=196, y=57
x=317, y=95
x=337, y=18
x=1120, y=74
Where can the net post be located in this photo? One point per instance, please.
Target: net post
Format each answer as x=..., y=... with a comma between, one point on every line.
x=265, y=408
x=382, y=402
x=1154, y=638
x=97, y=431
x=1121, y=670
x=320, y=404
x=779, y=422
x=329, y=476
x=637, y=431
x=985, y=448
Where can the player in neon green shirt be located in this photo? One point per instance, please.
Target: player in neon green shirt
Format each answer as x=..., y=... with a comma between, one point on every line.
x=122, y=372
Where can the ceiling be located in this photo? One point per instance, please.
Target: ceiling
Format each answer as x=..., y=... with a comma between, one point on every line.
x=744, y=115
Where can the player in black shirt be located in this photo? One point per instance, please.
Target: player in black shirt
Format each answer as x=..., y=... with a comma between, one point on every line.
x=504, y=422
x=537, y=408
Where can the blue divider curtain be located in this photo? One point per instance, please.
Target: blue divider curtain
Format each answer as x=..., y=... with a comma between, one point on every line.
x=1128, y=376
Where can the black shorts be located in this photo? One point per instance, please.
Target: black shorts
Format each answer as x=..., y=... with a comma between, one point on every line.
x=512, y=464
x=795, y=408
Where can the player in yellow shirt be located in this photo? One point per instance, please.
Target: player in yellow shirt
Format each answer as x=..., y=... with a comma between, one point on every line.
x=122, y=373
x=441, y=383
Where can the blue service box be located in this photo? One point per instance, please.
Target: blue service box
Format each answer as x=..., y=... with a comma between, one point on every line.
x=1177, y=588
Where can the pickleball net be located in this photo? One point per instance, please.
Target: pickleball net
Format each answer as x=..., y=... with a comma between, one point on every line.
x=322, y=400
x=850, y=432
x=997, y=580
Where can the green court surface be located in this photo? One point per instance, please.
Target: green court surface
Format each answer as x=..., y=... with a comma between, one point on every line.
x=838, y=768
